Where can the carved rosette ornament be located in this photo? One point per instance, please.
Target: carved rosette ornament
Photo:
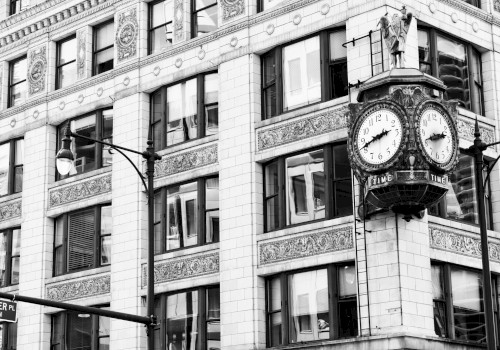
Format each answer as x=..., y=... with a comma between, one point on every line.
x=37, y=70
x=232, y=9
x=81, y=49
x=126, y=34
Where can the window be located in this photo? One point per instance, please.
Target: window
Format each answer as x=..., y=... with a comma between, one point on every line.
x=185, y=110
x=312, y=305
x=456, y=63
x=204, y=17
x=66, y=62
x=458, y=303
x=89, y=155
x=160, y=26
x=17, y=6
x=74, y=331
x=104, y=37
x=11, y=167
x=83, y=239
x=8, y=336
x=297, y=188
x=188, y=320
x=187, y=214
x=305, y=72
x=10, y=250
x=460, y=202
x=17, y=82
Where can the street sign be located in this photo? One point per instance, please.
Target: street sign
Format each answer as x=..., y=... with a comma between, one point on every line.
x=8, y=311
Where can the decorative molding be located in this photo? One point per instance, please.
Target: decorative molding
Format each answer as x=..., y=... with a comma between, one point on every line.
x=459, y=242
x=81, y=49
x=496, y=5
x=306, y=245
x=465, y=129
x=180, y=162
x=37, y=70
x=232, y=9
x=179, y=20
x=79, y=289
x=79, y=190
x=10, y=210
x=310, y=126
x=469, y=9
x=127, y=34
x=176, y=269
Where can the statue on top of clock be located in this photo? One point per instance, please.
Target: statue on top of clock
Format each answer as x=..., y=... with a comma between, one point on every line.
x=394, y=33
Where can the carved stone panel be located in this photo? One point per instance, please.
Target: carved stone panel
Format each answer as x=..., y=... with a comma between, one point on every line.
x=232, y=9
x=177, y=269
x=81, y=48
x=180, y=162
x=305, y=245
x=179, y=20
x=37, y=70
x=310, y=126
x=465, y=129
x=460, y=242
x=79, y=190
x=496, y=5
x=79, y=289
x=127, y=34
x=10, y=210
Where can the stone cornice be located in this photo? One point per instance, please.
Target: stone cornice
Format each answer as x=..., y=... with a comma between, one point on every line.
x=82, y=288
x=469, y=9
x=32, y=11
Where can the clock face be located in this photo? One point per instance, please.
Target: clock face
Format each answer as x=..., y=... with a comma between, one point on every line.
x=379, y=136
x=435, y=134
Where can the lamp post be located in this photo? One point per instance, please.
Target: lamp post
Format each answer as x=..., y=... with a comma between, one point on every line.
x=64, y=163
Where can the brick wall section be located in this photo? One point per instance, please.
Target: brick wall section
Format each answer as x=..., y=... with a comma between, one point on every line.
x=37, y=236
x=130, y=122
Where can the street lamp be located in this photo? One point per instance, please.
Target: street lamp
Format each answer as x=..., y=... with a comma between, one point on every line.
x=64, y=163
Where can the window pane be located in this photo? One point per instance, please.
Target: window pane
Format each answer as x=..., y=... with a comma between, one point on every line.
x=161, y=38
x=453, y=70
x=106, y=231
x=103, y=323
x=19, y=159
x=58, y=247
x=342, y=166
x=343, y=198
x=211, y=104
x=305, y=197
x=477, y=83
x=104, y=343
x=104, y=36
x=212, y=206
x=468, y=305
x=199, y=4
x=158, y=222
x=18, y=71
x=275, y=322
x=269, y=66
x=339, y=79
x=18, y=93
x=309, y=311
x=423, y=46
x=348, y=319
x=182, y=320
x=104, y=61
x=14, y=276
x=4, y=168
x=461, y=203
x=11, y=336
x=56, y=336
x=156, y=117
x=107, y=136
x=181, y=216
x=182, y=112
x=84, y=150
x=213, y=318
x=66, y=75
x=301, y=74
x=16, y=242
x=272, y=213
x=337, y=51
x=161, y=13
x=347, y=281
x=270, y=101
x=3, y=258
x=275, y=294
x=67, y=51
x=206, y=21
x=80, y=336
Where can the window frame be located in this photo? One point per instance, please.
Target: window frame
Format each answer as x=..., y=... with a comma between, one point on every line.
x=194, y=22
x=11, y=181
x=8, y=234
x=203, y=318
x=5, y=329
x=433, y=33
x=163, y=122
x=330, y=186
x=13, y=7
x=150, y=23
x=333, y=302
x=95, y=52
x=326, y=72
x=58, y=58
x=11, y=76
x=200, y=212
x=64, y=246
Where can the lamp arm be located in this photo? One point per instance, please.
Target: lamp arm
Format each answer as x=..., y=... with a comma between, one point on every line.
x=488, y=172
x=135, y=167
x=72, y=134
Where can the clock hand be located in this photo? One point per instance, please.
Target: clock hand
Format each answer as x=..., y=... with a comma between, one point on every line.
x=376, y=137
x=435, y=137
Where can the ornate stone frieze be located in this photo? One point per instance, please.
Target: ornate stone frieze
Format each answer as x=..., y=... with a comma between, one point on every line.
x=177, y=269
x=310, y=126
x=79, y=289
x=179, y=20
x=79, y=190
x=305, y=245
x=465, y=129
x=81, y=48
x=232, y=9
x=10, y=210
x=127, y=34
x=180, y=162
x=460, y=242
x=37, y=69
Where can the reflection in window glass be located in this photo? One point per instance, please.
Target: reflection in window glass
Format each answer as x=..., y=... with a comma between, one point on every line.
x=212, y=210
x=272, y=203
x=83, y=150
x=461, y=203
x=301, y=74
x=15, y=256
x=424, y=52
x=182, y=112
x=275, y=322
x=338, y=64
x=205, y=17
x=440, y=319
x=213, y=318
x=182, y=320
x=161, y=27
x=17, y=81
x=211, y=104
x=181, y=216
x=4, y=168
x=305, y=187
x=4, y=249
x=106, y=231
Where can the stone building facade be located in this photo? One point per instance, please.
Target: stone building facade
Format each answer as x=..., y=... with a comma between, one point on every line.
x=258, y=239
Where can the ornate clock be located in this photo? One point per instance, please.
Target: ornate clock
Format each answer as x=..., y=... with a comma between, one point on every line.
x=436, y=135
x=378, y=135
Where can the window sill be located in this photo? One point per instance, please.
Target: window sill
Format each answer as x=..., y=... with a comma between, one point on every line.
x=13, y=289
x=9, y=197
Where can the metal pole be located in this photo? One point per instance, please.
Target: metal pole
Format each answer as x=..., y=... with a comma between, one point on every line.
x=477, y=149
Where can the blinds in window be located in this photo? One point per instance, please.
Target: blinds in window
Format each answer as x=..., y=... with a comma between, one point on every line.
x=81, y=240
